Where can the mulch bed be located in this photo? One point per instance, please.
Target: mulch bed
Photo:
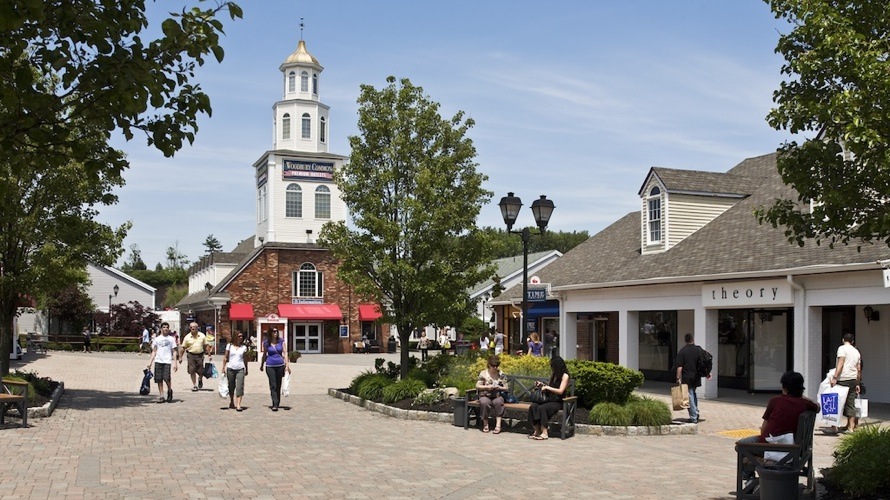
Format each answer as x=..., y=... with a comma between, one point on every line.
x=447, y=406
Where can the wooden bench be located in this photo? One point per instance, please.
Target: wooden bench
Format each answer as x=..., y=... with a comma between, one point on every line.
x=373, y=346
x=14, y=393
x=37, y=342
x=520, y=386
x=799, y=457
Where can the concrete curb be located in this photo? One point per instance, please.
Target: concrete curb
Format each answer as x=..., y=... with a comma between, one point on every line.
x=47, y=409
x=448, y=418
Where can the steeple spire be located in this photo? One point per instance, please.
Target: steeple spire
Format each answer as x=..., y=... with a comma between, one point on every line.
x=301, y=29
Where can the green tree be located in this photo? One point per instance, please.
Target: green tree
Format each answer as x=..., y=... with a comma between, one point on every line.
x=71, y=73
x=838, y=92
x=413, y=190
x=212, y=244
x=134, y=261
x=175, y=258
x=508, y=245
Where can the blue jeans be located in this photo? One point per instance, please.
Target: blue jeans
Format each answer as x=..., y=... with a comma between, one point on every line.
x=693, y=404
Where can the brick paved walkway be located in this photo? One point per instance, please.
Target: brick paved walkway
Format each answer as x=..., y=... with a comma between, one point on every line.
x=106, y=441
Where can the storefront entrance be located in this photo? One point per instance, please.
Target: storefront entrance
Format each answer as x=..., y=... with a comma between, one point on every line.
x=306, y=337
x=755, y=348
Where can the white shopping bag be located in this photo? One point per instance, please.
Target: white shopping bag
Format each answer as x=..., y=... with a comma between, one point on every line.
x=776, y=456
x=285, y=385
x=861, y=408
x=831, y=403
x=223, y=387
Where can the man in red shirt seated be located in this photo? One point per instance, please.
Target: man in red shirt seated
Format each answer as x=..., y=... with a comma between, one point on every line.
x=782, y=412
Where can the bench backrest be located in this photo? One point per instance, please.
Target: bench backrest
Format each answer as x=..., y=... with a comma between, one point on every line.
x=806, y=424
x=521, y=386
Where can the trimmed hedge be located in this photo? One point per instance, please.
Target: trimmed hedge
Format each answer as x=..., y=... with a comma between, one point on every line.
x=598, y=382
x=861, y=462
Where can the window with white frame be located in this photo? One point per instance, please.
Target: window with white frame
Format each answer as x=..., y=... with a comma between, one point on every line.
x=307, y=125
x=293, y=202
x=654, y=213
x=322, y=132
x=308, y=282
x=285, y=126
x=322, y=202
x=304, y=82
x=292, y=81
x=261, y=211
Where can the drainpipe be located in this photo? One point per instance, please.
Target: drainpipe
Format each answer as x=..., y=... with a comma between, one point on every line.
x=802, y=351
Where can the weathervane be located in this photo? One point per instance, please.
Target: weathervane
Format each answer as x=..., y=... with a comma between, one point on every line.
x=301, y=28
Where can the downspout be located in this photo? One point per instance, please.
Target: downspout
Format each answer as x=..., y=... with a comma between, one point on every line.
x=805, y=326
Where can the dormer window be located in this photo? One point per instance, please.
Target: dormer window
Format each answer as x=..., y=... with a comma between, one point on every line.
x=285, y=126
x=307, y=125
x=292, y=82
x=304, y=82
x=654, y=213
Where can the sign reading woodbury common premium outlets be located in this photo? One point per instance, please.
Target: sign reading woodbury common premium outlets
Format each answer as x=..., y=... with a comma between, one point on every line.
x=308, y=170
x=766, y=293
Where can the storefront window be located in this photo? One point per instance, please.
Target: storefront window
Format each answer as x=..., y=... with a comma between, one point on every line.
x=658, y=339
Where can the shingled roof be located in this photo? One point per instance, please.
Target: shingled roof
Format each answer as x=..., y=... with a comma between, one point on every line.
x=733, y=243
x=700, y=182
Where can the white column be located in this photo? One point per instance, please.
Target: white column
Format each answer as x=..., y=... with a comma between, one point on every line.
x=629, y=339
x=707, y=337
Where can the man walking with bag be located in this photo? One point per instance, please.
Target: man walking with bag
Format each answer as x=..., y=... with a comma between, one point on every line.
x=847, y=373
x=163, y=352
x=194, y=345
x=687, y=373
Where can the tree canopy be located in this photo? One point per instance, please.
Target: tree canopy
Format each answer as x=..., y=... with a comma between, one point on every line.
x=212, y=244
x=414, y=192
x=509, y=245
x=72, y=73
x=838, y=92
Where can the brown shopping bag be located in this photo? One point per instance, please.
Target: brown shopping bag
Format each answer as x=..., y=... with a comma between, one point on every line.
x=680, y=397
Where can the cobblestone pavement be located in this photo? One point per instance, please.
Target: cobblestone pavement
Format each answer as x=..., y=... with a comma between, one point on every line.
x=107, y=441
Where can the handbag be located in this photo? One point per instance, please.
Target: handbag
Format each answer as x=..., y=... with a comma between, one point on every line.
x=285, y=385
x=509, y=397
x=536, y=395
x=861, y=407
x=491, y=345
x=208, y=370
x=680, y=397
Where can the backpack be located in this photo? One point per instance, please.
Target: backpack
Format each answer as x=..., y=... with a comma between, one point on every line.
x=704, y=364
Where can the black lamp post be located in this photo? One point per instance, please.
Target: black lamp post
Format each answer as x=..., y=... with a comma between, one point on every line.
x=542, y=208
x=116, y=289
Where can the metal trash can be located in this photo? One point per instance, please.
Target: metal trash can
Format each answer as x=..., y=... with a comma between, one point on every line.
x=461, y=347
x=460, y=410
x=778, y=482
x=391, y=345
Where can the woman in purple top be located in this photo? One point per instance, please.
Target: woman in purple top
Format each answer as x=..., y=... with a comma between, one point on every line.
x=535, y=346
x=275, y=360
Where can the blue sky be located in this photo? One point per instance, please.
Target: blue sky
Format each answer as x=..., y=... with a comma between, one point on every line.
x=575, y=100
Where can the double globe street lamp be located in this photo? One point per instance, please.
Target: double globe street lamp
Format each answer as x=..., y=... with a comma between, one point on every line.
x=542, y=208
x=110, y=314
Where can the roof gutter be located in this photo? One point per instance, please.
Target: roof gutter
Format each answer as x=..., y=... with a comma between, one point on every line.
x=798, y=271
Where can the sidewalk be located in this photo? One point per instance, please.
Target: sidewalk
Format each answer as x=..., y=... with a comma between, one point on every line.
x=106, y=441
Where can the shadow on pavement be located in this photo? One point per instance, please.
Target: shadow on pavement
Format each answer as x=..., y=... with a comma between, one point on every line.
x=85, y=399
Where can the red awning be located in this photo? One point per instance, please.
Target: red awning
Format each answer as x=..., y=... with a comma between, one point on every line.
x=241, y=311
x=369, y=312
x=310, y=311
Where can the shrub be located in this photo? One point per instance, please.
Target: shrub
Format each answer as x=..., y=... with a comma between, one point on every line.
x=403, y=389
x=130, y=348
x=420, y=374
x=429, y=397
x=861, y=462
x=250, y=355
x=597, y=382
x=372, y=387
x=610, y=414
x=293, y=356
x=108, y=348
x=38, y=386
x=647, y=411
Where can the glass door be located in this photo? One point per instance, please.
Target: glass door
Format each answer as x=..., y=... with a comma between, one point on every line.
x=307, y=337
x=599, y=340
x=770, y=348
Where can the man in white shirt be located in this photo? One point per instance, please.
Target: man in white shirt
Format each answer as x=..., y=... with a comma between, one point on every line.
x=848, y=372
x=163, y=347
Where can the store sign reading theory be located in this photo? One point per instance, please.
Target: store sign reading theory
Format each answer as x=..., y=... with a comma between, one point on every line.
x=747, y=293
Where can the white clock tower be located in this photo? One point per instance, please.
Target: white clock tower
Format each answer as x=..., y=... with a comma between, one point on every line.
x=295, y=191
